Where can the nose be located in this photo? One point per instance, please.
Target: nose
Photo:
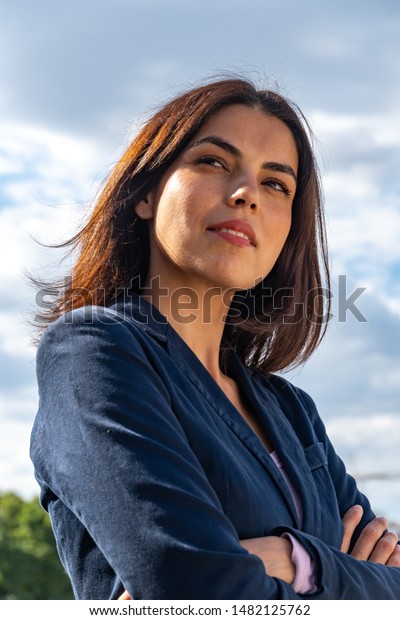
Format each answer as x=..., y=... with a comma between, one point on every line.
x=244, y=195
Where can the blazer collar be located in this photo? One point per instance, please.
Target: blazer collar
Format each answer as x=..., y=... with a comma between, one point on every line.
x=199, y=376
x=263, y=400
x=134, y=306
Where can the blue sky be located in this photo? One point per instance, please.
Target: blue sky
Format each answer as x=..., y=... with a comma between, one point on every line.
x=75, y=80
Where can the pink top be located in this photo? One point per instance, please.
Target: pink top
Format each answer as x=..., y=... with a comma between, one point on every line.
x=304, y=581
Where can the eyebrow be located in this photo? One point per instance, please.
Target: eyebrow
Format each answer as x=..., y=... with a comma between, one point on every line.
x=268, y=165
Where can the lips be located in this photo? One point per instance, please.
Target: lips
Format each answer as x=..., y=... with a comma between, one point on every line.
x=238, y=228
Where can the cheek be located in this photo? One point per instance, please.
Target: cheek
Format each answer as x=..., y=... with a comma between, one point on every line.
x=181, y=207
x=172, y=224
x=287, y=223
x=279, y=223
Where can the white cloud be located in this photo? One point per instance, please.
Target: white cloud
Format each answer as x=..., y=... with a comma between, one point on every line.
x=47, y=177
x=354, y=372
x=41, y=165
x=44, y=165
x=44, y=177
x=15, y=335
x=16, y=416
x=80, y=77
x=360, y=158
x=354, y=379
x=369, y=447
x=367, y=229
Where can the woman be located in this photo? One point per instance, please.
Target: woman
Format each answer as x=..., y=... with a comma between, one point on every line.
x=172, y=461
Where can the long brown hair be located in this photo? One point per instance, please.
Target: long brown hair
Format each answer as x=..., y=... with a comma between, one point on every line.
x=273, y=326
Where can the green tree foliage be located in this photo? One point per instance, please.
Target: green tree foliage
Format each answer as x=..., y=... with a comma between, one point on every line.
x=29, y=564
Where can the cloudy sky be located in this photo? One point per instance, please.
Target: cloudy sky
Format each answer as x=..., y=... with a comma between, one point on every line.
x=76, y=78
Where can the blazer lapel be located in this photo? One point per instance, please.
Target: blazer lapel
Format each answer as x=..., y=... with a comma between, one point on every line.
x=199, y=376
x=288, y=447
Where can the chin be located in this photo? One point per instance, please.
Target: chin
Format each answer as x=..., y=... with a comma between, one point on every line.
x=243, y=282
x=236, y=277
x=235, y=283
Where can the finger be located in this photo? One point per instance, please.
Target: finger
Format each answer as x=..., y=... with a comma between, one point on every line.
x=350, y=520
x=125, y=596
x=394, y=559
x=369, y=537
x=384, y=548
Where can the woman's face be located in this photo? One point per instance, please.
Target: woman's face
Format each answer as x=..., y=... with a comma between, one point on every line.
x=221, y=213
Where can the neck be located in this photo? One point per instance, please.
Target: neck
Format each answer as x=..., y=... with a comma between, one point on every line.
x=198, y=315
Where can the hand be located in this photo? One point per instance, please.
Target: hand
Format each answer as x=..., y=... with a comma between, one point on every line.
x=276, y=555
x=375, y=543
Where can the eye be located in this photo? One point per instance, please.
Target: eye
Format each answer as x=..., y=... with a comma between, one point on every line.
x=279, y=186
x=211, y=161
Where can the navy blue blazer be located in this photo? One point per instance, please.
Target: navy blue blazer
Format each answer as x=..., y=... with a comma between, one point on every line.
x=151, y=476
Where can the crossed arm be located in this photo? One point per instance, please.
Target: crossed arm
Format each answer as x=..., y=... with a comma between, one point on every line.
x=375, y=544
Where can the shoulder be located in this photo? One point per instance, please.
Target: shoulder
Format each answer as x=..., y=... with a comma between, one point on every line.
x=100, y=350
x=286, y=392
x=119, y=323
x=298, y=407
x=82, y=327
x=94, y=335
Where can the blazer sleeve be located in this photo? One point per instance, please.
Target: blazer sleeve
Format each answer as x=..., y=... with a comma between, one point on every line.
x=340, y=576
x=107, y=443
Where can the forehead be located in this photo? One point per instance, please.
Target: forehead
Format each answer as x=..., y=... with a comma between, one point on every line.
x=248, y=127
